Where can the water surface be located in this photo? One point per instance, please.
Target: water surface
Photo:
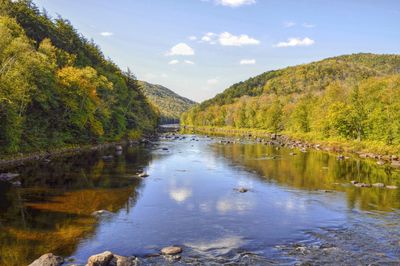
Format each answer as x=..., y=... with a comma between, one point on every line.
x=303, y=200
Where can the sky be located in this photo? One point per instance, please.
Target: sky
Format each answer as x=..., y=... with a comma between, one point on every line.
x=198, y=48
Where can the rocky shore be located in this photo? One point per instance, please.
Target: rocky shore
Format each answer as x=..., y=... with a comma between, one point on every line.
x=238, y=135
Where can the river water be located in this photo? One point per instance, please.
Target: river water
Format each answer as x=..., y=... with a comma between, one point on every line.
x=298, y=209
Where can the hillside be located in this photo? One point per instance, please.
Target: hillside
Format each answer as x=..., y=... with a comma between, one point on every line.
x=58, y=89
x=350, y=97
x=170, y=104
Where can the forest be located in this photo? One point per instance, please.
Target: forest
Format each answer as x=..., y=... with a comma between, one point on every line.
x=169, y=104
x=58, y=89
x=352, y=97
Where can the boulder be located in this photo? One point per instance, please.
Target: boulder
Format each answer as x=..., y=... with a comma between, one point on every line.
x=378, y=185
x=48, y=260
x=171, y=250
x=102, y=259
x=391, y=187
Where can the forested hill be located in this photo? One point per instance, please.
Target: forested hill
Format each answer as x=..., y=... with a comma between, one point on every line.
x=352, y=97
x=170, y=104
x=57, y=88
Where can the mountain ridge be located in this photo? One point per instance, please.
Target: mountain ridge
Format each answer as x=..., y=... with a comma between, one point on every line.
x=170, y=104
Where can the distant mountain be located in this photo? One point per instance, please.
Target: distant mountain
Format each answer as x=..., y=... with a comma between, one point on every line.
x=170, y=104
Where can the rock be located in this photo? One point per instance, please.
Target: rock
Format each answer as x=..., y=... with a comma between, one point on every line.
x=292, y=153
x=107, y=157
x=48, y=260
x=341, y=157
x=354, y=182
x=164, y=149
x=102, y=213
x=172, y=250
x=123, y=261
x=142, y=175
x=394, y=157
x=118, y=148
x=362, y=185
x=395, y=164
x=378, y=185
x=102, y=259
x=391, y=187
x=242, y=190
x=8, y=176
x=380, y=162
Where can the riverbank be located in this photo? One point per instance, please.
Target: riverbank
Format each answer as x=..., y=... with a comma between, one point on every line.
x=21, y=158
x=379, y=152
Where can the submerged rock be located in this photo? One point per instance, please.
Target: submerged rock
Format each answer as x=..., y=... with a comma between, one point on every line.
x=48, y=260
x=242, y=190
x=171, y=250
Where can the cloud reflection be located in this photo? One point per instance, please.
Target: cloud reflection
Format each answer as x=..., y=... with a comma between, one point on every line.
x=180, y=194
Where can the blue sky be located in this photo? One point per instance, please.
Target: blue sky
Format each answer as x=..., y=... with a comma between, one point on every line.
x=200, y=47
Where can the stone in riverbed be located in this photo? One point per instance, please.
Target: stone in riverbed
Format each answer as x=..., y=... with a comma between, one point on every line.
x=171, y=250
x=102, y=259
x=8, y=176
x=102, y=213
x=143, y=175
x=123, y=261
x=391, y=187
x=362, y=185
x=48, y=260
x=378, y=185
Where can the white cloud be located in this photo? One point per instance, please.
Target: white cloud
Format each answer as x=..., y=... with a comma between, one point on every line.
x=307, y=25
x=227, y=39
x=289, y=24
x=235, y=3
x=192, y=38
x=180, y=49
x=212, y=81
x=209, y=37
x=189, y=62
x=247, y=61
x=106, y=34
x=173, y=62
x=163, y=75
x=291, y=42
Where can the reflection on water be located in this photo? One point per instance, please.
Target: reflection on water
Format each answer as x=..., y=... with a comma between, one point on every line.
x=316, y=170
x=52, y=210
x=189, y=199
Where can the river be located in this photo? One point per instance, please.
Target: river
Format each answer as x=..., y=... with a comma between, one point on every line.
x=299, y=208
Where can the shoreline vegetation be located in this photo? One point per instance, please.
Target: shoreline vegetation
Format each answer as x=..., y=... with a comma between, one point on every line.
x=379, y=152
x=58, y=90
